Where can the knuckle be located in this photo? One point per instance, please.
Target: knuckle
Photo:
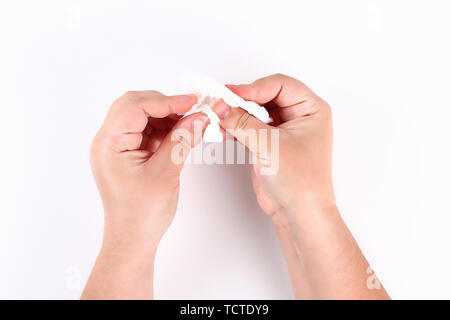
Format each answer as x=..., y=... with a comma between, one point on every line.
x=150, y=94
x=99, y=146
x=154, y=93
x=284, y=78
x=133, y=94
x=130, y=95
x=94, y=148
x=279, y=76
x=242, y=122
x=128, y=98
x=141, y=97
x=326, y=107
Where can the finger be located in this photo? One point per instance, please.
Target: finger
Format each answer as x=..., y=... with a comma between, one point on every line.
x=127, y=142
x=130, y=113
x=155, y=140
x=174, y=149
x=129, y=117
x=241, y=125
x=293, y=97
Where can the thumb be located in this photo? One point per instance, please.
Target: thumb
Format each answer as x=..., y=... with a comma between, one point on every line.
x=174, y=149
x=247, y=129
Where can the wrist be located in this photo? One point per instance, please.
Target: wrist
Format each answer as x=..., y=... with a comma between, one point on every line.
x=128, y=257
x=313, y=200
x=131, y=235
x=129, y=246
x=305, y=210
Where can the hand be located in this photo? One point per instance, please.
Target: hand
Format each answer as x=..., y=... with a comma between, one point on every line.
x=136, y=158
x=132, y=165
x=293, y=184
x=302, y=153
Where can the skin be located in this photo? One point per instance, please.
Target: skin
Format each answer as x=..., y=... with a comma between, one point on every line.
x=139, y=185
x=324, y=260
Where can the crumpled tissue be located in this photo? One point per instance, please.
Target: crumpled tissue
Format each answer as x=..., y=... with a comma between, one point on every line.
x=208, y=91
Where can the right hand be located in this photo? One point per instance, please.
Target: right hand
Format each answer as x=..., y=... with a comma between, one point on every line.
x=324, y=260
x=303, y=178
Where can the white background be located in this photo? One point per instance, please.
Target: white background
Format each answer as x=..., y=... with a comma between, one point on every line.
x=382, y=65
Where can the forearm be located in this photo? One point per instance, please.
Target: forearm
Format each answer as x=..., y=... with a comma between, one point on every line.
x=122, y=273
x=299, y=279
x=324, y=260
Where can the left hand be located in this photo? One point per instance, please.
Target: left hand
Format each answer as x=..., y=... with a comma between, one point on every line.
x=131, y=158
x=136, y=158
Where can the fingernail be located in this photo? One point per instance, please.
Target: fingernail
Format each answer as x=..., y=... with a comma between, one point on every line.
x=221, y=109
x=200, y=123
x=231, y=86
